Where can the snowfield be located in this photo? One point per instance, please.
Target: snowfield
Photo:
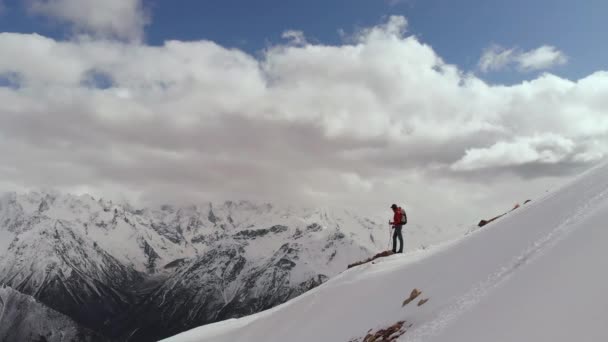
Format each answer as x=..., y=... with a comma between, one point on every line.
x=537, y=274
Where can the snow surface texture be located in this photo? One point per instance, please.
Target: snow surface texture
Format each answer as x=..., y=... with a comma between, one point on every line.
x=22, y=318
x=537, y=274
x=150, y=273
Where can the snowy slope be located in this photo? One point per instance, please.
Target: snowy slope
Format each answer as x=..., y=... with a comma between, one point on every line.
x=537, y=274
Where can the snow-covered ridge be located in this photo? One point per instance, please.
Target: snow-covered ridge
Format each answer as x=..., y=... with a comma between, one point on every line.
x=533, y=275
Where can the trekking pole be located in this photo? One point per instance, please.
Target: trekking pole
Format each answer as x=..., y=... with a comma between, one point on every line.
x=390, y=233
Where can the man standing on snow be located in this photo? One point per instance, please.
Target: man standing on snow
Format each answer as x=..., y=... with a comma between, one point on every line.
x=398, y=221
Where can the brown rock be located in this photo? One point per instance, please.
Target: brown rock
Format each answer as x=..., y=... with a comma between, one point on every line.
x=379, y=255
x=422, y=301
x=413, y=295
x=391, y=333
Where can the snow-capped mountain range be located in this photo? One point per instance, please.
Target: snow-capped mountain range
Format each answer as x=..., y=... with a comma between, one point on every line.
x=144, y=274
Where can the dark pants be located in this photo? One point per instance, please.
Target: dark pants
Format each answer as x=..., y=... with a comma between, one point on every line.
x=397, y=235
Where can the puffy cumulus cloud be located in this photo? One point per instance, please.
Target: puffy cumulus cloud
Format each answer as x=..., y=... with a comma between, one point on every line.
x=547, y=148
x=497, y=58
x=124, y=19
x=378, y=119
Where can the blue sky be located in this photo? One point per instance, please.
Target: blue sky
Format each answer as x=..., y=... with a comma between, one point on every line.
x=458, y=30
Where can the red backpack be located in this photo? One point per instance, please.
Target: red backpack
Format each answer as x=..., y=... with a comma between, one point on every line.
x=403, y=216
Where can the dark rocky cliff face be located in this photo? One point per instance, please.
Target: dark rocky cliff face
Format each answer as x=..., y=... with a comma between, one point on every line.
x=78, y=279
x=23, y=318
x=222, y=284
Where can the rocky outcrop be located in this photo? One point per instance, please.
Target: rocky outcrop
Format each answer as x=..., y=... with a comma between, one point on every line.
x=391, y=333
x=379, y=255
x=485, y=222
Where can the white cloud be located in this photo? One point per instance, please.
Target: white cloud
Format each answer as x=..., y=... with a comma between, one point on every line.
x=547, y=148
x=124, y=19
x=295, y=37
x=544, y=57
x=497, y=58
x=382, y=116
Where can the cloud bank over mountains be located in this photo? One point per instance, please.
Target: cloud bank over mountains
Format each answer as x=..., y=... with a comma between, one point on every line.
x=380, y=118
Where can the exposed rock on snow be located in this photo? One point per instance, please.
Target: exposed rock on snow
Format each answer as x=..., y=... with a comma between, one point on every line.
x=379, y=255
x=391, y=333
x=413, y=295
